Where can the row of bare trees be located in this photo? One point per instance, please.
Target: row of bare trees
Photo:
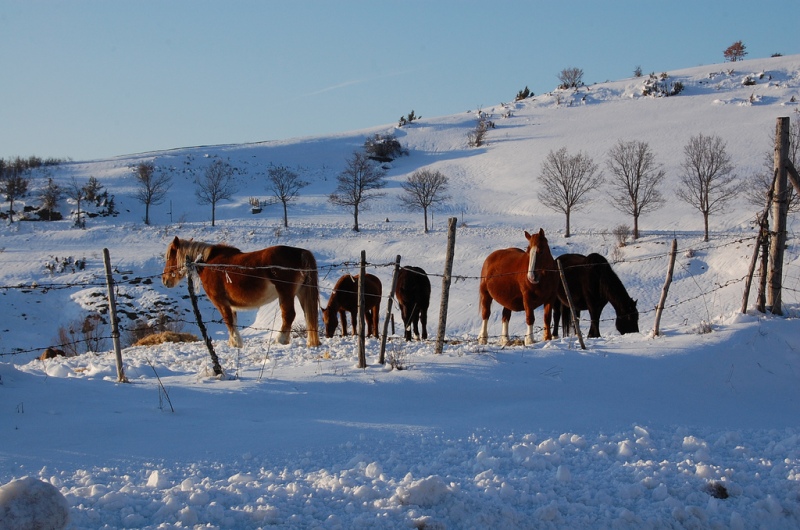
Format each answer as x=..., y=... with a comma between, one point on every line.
x=707, y=181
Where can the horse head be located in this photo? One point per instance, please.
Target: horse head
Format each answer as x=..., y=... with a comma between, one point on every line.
x=539, y=256
x=173, y=271
x=628, y=320
x=330, y=319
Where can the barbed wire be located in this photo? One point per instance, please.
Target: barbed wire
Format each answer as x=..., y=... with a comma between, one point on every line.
x=98, y=282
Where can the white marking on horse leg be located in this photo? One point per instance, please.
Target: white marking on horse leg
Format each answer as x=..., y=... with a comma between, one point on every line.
x=234, y=339
x=483, y=336
x=529, y=336
x=284, y=337
x=504, y=333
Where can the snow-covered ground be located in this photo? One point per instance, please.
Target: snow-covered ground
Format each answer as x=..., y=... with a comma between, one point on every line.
x=695, y=428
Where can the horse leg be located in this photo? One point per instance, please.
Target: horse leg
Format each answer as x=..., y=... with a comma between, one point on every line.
x=423, y=320
x=485, y=302
x=556, y=314
x=343, y=317
x=287, y=316
x=548, y=315
x=415, y=321
x=376, y=320
x=504, y=327
x=594, y=327
x=404, y=313
x=229, y=317
x=529, y=320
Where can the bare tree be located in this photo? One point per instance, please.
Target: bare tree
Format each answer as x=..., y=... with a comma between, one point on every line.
x=570, y=78
x=735, y=52
x=50, y=195
x=14, y=183
x=424, y=189
x=286, y=185
x=761, y=183
x=708, y=181
x=216, y=184
x=77, y=192
x=153, y=185
x=358, y=185
x=566, y=180
x=635, y=176
x=477, y=136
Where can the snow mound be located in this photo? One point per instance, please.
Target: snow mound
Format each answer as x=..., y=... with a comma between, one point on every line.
x=32, y=504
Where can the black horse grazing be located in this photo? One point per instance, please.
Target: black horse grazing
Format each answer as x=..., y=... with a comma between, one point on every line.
x=413, y=293
x=593, y=284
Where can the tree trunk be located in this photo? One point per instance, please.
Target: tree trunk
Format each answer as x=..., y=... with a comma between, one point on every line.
x=566, y=233
x=425, y=213
x=705, y=227
x=635, y=227
x=147, y=213
x=285, y=216
x=11, y=211
x=355, y=219
x=213, y=213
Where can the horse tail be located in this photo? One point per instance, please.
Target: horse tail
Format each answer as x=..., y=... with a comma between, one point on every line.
x=308, y=294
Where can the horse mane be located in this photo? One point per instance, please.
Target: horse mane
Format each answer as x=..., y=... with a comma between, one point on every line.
x=610, y=284
x=198, y=250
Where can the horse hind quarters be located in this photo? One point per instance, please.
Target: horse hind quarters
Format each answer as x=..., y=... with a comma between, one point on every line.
x=413, y=294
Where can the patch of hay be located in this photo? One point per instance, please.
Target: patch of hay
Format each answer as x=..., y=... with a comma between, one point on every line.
x=165, y=336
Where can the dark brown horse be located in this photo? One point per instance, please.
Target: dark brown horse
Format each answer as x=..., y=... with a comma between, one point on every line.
x=593, y=284
x=344, y=299
x=520, y=280
x=413, y=293
x=236, y=281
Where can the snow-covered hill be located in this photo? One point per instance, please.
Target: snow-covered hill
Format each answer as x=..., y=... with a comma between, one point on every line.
x=637, y=431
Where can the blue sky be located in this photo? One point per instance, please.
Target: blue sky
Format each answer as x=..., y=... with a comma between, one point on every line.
x=95, y=79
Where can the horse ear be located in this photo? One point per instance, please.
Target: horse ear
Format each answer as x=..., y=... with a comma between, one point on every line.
x=527, y=235
x=635, y=302
x=541, y=232
x=176, y=241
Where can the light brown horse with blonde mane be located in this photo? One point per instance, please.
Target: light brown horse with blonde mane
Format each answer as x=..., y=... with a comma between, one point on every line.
x=236, y=281
x=520, y=280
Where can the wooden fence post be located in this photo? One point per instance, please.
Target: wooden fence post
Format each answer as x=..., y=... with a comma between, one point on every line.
x=112, y=314
x=673, y=252
x=575, y=323
x=199, y=317
x=448, y=271
x=382, y=359
x=779, y=213
x=362, y=354
x=761, y=243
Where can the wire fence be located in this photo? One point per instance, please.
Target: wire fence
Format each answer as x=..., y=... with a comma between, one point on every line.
x=791, y=284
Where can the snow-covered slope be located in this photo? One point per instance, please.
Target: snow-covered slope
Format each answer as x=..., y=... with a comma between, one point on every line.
x=637, y=431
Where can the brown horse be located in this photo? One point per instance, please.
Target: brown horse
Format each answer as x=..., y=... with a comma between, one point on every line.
x=593, y=284
x=236, y=280
x=413, y=293
x=344, y=298
x=520, y=280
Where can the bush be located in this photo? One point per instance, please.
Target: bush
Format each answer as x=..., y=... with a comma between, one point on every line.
x=523, y=94
x=405, y=120
x=622, y=233
x=661, y=86
x=570, y=78
x=383, y=148
x=83, y=335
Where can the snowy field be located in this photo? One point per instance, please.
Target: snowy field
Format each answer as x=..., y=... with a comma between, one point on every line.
x=695, y=428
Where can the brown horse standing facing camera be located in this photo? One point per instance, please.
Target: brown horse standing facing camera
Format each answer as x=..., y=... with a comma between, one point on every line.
x=236, y=281
x=344, y=299
x=413, y=293
x=520, y=280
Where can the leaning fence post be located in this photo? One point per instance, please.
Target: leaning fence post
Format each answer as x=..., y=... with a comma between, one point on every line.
x=193, y=298
x=362, y=354
x=575, y=323
x=112, y=314
x=664, y=290
x=382, y=359
x=446, y=277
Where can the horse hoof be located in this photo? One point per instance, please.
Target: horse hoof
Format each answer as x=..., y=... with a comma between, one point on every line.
x=529, y=341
